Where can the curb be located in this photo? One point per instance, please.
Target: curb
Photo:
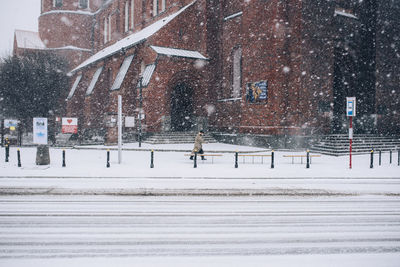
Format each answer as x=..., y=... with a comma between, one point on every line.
x=172, y=192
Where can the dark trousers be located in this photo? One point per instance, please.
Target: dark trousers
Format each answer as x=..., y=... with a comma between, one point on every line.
x=201, y=151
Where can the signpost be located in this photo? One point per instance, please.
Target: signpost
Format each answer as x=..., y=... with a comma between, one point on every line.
x=119, y=129
x=350, y=112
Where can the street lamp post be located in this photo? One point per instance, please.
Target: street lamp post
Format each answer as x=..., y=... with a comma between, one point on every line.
x=140, y=111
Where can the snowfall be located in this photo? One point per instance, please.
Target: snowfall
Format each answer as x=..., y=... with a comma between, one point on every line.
x=129, y=214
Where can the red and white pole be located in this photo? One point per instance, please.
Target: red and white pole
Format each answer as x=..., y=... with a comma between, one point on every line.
x=351, y=136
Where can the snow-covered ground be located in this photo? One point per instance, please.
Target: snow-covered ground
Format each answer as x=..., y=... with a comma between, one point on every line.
x=199, y=231
x=92, y=163
x=85, y=214
x=174, y=173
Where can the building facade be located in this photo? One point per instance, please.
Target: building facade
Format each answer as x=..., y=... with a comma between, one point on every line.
x=277, y=67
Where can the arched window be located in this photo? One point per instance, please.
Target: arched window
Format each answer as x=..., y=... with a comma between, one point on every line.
x=236, y=72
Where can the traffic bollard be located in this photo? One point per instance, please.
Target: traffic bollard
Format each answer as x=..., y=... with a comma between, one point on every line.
x=63, y=158
x=108, y=159
x=308, y=159
x=195, y=160
x=380, y=157
x=272, y=159
x=152, y=159
x=236, y=159
x=398, y=158
x=371, y=165
x=7, y=152
x=19, y=158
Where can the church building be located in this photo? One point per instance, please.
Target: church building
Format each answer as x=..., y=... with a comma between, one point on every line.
x=252, y=67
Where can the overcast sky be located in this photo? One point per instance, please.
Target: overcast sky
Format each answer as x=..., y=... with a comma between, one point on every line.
x=16, y=14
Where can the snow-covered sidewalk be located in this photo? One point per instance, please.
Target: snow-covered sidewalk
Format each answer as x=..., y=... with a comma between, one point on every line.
x=174, y=173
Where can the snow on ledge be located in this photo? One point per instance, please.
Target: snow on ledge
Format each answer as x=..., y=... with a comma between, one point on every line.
x=177, y=52
x=233, y=16
x=78, y=12
x=345, y=14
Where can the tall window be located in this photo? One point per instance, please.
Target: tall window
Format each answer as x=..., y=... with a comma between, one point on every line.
x=155, y=7
x=237, y=72
x=126, y=19
x=105, y=30
x=83, y=3
x=109, y=28
x=57, y=3
x=163, y=5
x=132, y=14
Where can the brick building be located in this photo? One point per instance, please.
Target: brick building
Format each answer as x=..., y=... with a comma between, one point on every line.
x=277, y=68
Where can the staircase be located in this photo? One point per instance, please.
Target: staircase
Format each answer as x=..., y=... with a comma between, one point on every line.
x=338, y=144
x=177, y=138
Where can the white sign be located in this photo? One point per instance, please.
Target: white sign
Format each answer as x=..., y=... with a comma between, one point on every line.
x=350, y=106
x=10, y=123
x=129, y=122
x=69, y=125
x=40, y=131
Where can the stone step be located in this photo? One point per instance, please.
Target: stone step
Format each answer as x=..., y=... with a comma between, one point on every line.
x=177, y=138
x=332, y=145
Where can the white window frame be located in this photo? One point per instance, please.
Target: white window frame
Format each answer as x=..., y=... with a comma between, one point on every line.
x=126, y=18
x=236, y=72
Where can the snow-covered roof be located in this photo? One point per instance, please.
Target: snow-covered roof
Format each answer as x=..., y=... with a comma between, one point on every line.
x=147, y=73
x=122, y=72
x=177, y=52
x=93, y=82
x=131, y=40
x=77, y=80
x=28, y=40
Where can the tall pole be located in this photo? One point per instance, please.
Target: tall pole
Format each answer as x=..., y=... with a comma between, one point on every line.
x=140, y=111
x=2, y=132
x=351, y=137
x=119, y=129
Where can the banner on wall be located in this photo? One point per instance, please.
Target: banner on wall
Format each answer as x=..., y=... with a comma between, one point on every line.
x=257, y=92
x=69, y=125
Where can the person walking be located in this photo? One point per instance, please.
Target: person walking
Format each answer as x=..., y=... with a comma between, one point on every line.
x=198, y=145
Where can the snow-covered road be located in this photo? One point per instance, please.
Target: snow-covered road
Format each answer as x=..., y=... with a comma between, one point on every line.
x=199, y=231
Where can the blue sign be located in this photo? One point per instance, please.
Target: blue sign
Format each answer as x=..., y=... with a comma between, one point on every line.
x=350, y=106
x=257, y=92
